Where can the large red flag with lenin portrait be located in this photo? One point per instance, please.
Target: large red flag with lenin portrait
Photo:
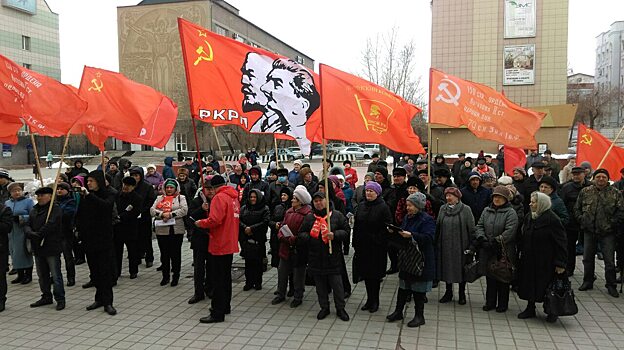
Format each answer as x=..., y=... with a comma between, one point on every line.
x=487, y=113
x=232, y=83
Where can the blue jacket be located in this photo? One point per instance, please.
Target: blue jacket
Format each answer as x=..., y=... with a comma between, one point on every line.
x=168, y=169
x=293, y=176
x=348, y=192
x=423, y=227
x=477, y=200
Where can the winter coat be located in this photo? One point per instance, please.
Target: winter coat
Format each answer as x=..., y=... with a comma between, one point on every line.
x=179, y=209
x=199, y=236
x=20, y=209
x=348, y=193
x=46, y=238
x=311, y=186
x=394, y=196
x=6, y=225
x=372, y=166
x=147, y=194
x=477, y=199
x=255, y=217
x=456, y=171
x=128, y=209
x=94, y=216
x=351, y=177
x=223, y=222
x=155, y=180
x=422, y=226
x=288, y=245
x=370, y=239
x=116, y=179
x=542, y=246
x=358, y=197
x=273, y=198
x=261, y=185
x=320, y=262
x=188, y=188
x=455, y=232
x=69, y=207
x=559, y=208
x=293, y=176
x=532, y=158
x=74, y=171
x=517, y=203
x=530, y=185
x=4, y=193
x=464, y=175
x=569, y=194
x=599, y=211
x=495, y=227
x=486, y=169
x=236, y=178
x=168, y=169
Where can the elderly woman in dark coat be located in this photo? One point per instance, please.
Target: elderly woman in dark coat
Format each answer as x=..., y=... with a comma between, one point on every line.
x=543, y=253
x=496, y=231
x=420, y=227
x=369, y=240
x=455, y=231
x=254, y=224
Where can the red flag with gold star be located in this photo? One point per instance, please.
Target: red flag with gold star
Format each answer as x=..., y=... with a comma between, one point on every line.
x=591, y=146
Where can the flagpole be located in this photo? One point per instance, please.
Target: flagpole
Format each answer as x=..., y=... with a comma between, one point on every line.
x=37, y=164
x=199, y=160
x=103, y=165
x=610, y=147
x=276, y=152
x=429, y=135
x=58, y=172
x=324, y=157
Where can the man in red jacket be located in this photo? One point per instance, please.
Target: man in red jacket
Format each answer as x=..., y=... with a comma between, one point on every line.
x=223, y=222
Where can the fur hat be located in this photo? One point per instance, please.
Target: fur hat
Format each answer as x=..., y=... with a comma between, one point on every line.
x=504, y=192
x=550, y=182
x=505, y=180
x=302, y=194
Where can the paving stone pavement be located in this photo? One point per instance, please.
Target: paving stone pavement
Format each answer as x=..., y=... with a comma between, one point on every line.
x=155, y=317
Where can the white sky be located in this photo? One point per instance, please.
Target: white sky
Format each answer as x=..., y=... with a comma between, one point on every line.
x=331, y=32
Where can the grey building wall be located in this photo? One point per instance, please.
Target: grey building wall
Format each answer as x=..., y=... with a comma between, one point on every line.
x=609, y=73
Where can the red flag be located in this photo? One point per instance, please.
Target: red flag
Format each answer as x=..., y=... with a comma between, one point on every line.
x=47, y=106
x=484, y=111
x=118, y=104
x=514, y=158
x=591, y=146
x=231, y=83
x=357, y=110
x=8, y=130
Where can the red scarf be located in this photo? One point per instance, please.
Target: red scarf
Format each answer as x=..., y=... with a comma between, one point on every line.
x=165, y=204
x=320, y=227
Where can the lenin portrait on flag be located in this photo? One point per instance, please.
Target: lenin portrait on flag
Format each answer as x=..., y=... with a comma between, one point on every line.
x=283, y=90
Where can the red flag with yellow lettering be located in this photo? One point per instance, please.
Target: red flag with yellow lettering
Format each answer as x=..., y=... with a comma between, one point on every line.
x=48, y=107
x=232, y=83
x=591, y=146
x=484, y=111
x=357, y=110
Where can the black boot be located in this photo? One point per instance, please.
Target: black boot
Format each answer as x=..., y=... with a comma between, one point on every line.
x=462, y=293
x=27, y=275
x=174, y=280
x=419, y=308
x=529, y=312
x=448, y=295
x=368, y=303
x=397, y=315
x=165, y=279
x=20, y=277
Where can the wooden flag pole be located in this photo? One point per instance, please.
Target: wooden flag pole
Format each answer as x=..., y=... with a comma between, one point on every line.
x=276, y=152
x=214, y=130
x=610, y=147
x=199, y=160
x=37, y=163
x=58, y=172
x=103, y=165
x=327, y=192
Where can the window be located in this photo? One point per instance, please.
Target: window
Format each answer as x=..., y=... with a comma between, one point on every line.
x=23, y=131
x=299, y=59
x=180, y=142
x=25, y=43
x=220, y=30
x=27, y=65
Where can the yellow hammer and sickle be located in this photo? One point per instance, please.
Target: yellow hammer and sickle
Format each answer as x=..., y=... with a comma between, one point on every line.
x=587, y=139
x=200, y=50
x=95, y=86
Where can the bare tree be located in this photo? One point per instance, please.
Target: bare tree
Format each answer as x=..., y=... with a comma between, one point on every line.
x=592, y=107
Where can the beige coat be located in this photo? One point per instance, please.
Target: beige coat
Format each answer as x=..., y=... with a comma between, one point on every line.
x=179, y=210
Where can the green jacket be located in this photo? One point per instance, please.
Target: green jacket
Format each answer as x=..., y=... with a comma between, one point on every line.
x=559, y=208
x=599, y=212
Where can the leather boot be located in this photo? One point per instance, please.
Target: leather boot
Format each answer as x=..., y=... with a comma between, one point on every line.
x=529, y=312
x=419, y=308
x=448, y=295
x=397, y=315
x=174, y=280
x=462, y=293
x=27, y=275
x=20, y=277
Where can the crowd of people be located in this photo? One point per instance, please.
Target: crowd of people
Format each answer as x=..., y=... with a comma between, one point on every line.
x=427, y=220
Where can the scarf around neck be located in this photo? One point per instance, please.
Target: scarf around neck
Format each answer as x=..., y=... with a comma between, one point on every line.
x=320, y=227
x=165, y=204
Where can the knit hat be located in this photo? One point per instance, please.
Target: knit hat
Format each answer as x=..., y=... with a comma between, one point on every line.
x=373, y=186
x=79, y=179
x=340, y=177
x=150, y=166
x=382, y=170
x=418, y=199
x=16, y=184
x=586, y=165
x=319, y=194
x=44, y=190
x=171, y=182
x=505, y=180
x=503, y=191
x=371, y=175
x=454, y=191
x=520, y=170
x=63, y=185
x=298, y=161
x=334, y=179
x=302, y=194
x=550, y=182
x=129, y=180
x=602, y=171
x=474, y=174
x=217, y=181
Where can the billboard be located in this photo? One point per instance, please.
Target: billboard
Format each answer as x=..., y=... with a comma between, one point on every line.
x=520, y=18
x=28, y=6
x=519, y=64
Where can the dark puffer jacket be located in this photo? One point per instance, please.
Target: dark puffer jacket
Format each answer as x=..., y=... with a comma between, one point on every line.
x=423, y=227
x=320, y=262
x=46, y=238
x=370, y=239
x=255, y=217
x=94, y=216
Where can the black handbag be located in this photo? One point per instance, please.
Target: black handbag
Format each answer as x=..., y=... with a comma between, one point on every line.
x=471, y=271
x=411, y=259
x=501, y=269
x=559, y=299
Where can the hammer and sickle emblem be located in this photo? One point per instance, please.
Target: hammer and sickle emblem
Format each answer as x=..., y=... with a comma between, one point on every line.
x=587, y=139
x=201, y=51
x=446, y=95
x=95, y=86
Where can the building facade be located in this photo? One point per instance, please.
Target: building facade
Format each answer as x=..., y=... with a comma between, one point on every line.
x=150, y=53
x=516, y=46
x=609, y=74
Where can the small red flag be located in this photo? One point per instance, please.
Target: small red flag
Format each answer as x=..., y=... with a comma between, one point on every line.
x=591, y=146
x=514, y=158
x=357, y=110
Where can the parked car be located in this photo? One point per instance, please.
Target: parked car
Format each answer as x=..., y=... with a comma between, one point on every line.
x=373, y=147
x=297, y=151
x=359, y=152
x=290, y=155
x=335, y=147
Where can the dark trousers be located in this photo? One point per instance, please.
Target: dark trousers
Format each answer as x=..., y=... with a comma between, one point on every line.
x=287, y=271
x=170, y=253
x=145, y=238
x=619, y=251
x=78, y=248
x=253, y=271
x=346, y=284
x=496, y=292
x=132, y=245
x=572, y=238
x=589, y=257
x=70, y=264
x=4, y=266
x=393, y=254
x=372, y=290
x=323, y=283
x=202, y=279
x=222, y=278
x=274, y=244
x=102, y=266
x=46, y=266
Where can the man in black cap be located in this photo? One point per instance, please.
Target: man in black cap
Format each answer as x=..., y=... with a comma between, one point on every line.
x=532, y=183
x=5, y=180
x=442, y=181
x=95, y=224
x=599, y=210
x=373, y=164
x=398, y=191
x=569, y=194
x=125, y=232
x=46, y=237
x=457, y=166
x=115, y=175
x=421, y=164
x=146, y=192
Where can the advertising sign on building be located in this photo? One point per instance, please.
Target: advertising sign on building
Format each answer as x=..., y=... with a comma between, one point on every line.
x=519, y=64
x=519, y=18
x=28, y=6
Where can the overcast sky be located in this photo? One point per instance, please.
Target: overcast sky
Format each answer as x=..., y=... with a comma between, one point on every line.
x=332, y=32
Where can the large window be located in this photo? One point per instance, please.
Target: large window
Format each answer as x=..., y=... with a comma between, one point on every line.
x=220, y=30
x=180, y=142
x=27, y=65
x=25, y=43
